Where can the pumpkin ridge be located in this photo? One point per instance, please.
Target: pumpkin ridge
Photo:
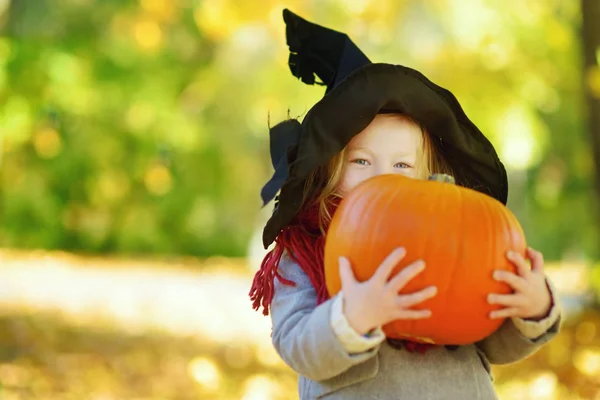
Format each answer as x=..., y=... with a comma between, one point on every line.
x=514, y=225
x=507, y=232
x=434, y=205
x=506, y=229
x=382, y=221
x=411, y=323
x=350, y=219
x=510, y=221
x=374, y=237
x=458, y=258
x=489, y=213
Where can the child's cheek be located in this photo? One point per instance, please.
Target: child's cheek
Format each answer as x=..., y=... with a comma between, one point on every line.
x=351, y=178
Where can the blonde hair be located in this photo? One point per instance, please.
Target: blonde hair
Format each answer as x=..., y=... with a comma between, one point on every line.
x=328, y=177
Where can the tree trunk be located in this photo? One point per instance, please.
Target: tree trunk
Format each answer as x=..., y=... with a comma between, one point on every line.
x=590, y=10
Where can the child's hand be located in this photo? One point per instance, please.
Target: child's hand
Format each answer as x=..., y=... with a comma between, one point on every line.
x=531, y=298
x=370, y=304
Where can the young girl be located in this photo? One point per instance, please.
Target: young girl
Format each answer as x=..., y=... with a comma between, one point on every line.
x=378, y=119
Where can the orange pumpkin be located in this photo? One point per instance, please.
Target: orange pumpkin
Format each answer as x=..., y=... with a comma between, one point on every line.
x=461, y=234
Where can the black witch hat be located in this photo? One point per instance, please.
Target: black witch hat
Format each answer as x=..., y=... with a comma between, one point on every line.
x=358, y=90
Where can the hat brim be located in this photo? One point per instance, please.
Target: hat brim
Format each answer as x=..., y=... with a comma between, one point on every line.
x=351, y=106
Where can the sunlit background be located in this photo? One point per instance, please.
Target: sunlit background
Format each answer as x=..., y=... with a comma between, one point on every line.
x=133, y=146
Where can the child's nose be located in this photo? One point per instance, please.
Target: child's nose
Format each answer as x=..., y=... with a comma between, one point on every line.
x=384, y=169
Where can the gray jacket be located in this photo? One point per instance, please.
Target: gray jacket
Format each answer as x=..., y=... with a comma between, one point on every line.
x=304, y=338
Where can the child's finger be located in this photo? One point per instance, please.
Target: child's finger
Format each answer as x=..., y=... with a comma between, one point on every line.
x=523, y=267
x=515, y=281
x=404, y=276
x=506, y=300
x=385, y=269
x=537, y=260
x=504, y=313
x=409, y=300
x=412, y=314
x=346, y=273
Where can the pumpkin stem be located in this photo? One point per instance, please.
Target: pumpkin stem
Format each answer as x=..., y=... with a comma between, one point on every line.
x=442, y=178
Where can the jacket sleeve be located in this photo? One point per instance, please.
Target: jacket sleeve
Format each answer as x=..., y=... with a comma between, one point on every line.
x=516, y=338
x=302, y=333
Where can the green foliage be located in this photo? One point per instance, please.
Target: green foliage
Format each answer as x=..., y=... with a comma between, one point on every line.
x=142, y=126
x=105, y=148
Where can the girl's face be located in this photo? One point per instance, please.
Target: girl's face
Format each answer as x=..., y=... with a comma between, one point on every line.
x=390, y=144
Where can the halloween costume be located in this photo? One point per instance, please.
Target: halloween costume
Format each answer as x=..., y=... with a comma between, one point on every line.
x=309, y=331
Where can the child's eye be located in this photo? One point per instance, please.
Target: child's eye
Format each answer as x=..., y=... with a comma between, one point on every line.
x=403, y=165
x=360, y=161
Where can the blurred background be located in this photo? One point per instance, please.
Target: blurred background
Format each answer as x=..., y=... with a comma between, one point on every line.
x=134, y=143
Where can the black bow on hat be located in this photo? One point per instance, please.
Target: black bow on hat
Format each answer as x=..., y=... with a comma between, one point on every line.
x=329, y=54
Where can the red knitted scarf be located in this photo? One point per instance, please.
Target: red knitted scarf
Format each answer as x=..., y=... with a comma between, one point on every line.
x=303, y=241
